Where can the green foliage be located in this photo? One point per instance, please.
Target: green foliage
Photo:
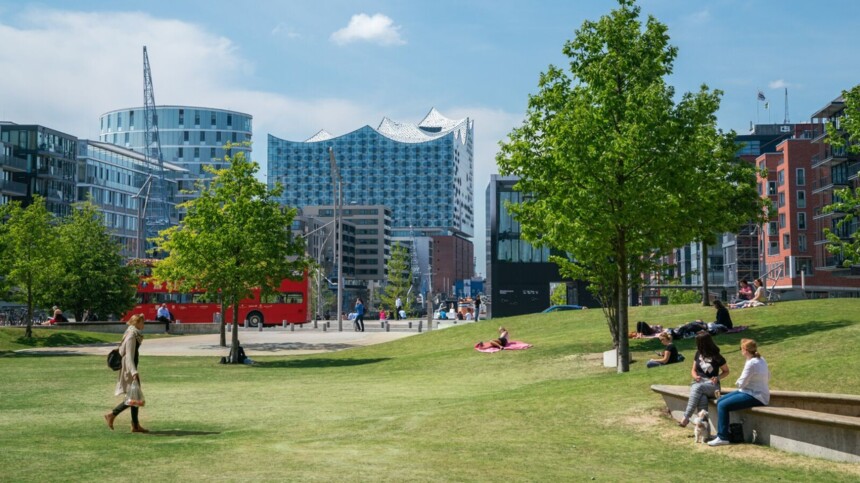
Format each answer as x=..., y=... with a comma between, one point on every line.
x=679, y=296
x=235, y=237
x=89, y=270
x=399, y=278
x=558, y=295
x=844, y=239
x=29, y=254
x=618, y=172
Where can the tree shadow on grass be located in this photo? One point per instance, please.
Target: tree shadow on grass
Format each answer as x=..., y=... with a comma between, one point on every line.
x=22, y=353
x=316, y=363
x=180, y=432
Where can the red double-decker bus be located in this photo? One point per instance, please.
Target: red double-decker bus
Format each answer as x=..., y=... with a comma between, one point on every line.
x=289, y=303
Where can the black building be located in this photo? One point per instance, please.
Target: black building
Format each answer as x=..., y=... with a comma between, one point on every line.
x=519, y=274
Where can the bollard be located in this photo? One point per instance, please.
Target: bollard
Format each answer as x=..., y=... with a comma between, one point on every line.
x=420, y=322
x=325, y=327
x=284, y=324
x=315, y=324
x=260, y=326
x=292, y=327
x=382, y=325
x=229, y=327
x=388, y=326
x=410, y=324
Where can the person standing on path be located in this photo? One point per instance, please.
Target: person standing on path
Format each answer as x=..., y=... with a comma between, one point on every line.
x=477, y=308
x=398, y=306
x=359, y=315
x=128, y=349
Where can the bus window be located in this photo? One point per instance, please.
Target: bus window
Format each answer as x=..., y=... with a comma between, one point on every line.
x=293, y=297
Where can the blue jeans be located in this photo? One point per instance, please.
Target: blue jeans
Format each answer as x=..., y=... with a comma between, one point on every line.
x=651, y=364
x=733, y=401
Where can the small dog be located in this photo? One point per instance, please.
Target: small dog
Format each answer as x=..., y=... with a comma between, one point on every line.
x=702, y=432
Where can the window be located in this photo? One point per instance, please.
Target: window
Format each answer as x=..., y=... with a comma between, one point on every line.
x=180, y=153
x=118, y=120
x=131, y=119
x=801, y=199
x=197, y=155
x=800, y=174
x=786, y=241
x=218, y=137
x=202, y=136
x=759, y=189
x=781, y=200
x=771, y=188
x=801, y=242
x=213, y=119
x=185, y=136
x=772, y=229
x=780, y=176
x=196, y=118
x=801, y=221
x=229, y=120
x=782, y=220
x=773, y=248
x=182, y=117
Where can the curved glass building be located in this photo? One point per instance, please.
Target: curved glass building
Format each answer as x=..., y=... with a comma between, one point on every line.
x=191, y=137
x=423, y=172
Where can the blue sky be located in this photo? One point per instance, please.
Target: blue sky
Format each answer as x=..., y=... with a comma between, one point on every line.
x=300, y=66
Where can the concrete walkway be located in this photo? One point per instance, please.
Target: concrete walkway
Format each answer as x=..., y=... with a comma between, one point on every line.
x=271, y=341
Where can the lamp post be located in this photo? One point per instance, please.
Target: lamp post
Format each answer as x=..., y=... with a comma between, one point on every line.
x=337, y=198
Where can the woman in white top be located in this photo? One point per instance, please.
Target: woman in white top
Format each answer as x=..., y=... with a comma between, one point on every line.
x=759, y=298
x=752, y=390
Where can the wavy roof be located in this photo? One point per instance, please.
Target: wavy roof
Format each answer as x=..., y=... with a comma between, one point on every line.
x=433, y=126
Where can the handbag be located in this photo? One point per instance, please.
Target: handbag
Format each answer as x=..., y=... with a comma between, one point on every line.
x=736, y=433
x=114, y=360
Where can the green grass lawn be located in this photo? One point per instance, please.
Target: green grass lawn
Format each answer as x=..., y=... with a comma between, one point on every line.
x=425, y=408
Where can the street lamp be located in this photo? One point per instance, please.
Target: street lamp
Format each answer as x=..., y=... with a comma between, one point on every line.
x=337, y=198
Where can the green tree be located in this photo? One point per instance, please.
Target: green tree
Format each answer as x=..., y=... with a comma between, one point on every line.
x=558, y=295
x=615, y=168
x=844, y=239
x=29, y=254
x=90, y=267
x=680, y=296
x=399, y=278
x=235, y=237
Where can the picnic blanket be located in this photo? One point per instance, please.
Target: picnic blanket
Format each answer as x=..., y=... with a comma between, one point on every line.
x=514, y=345
x=739, y=328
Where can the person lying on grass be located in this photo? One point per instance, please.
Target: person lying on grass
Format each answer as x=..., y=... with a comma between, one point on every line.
x=501, y=342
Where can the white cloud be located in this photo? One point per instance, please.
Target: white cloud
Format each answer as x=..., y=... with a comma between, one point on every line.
x=379, y=29
x=778, y=84
x=284, y=29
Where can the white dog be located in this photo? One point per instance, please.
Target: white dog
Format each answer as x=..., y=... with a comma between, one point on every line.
x=702, y=426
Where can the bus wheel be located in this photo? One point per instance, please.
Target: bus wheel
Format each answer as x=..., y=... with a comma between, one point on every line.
x=255, y=319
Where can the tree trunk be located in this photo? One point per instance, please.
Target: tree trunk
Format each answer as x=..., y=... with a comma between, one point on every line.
x=29, y=332
x=623, y=342
x=234, y=351
x=223, y=328
x=706, y=299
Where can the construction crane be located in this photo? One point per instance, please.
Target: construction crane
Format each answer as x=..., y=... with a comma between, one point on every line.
x=152, y=198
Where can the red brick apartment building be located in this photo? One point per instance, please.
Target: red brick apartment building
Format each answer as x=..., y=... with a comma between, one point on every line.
x=802, y=176
x=453, y=259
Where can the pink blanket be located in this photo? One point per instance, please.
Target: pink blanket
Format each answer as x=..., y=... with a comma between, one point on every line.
x=514, y=345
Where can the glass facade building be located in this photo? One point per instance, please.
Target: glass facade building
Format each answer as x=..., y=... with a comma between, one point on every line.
x=191, y=137
x=112, y=178
x=423, y=172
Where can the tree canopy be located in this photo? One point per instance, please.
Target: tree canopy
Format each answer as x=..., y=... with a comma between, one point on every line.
x=619, y=173
x=399, y=278
x=234, y=238
x=844, y=238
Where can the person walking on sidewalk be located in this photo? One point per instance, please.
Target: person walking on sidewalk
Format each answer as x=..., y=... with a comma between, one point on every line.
x=477, y=308
x=359, y=315
x=128, y=349
x=398, y=307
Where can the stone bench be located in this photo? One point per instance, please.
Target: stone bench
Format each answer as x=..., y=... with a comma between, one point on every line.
x=813, y=424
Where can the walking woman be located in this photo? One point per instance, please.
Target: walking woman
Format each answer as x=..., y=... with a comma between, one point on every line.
x=708, y=368
x=752, y=391
x=359, y=315
x=128, y=349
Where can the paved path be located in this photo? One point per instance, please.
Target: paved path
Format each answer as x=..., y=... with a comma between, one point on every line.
x=268, y=342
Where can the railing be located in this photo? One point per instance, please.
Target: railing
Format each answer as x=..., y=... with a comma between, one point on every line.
x=13, y=187
x=13, y=162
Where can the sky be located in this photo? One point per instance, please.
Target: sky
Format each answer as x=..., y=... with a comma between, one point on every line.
x=300, y=66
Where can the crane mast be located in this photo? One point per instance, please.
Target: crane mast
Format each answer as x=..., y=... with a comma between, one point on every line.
x=154, y=193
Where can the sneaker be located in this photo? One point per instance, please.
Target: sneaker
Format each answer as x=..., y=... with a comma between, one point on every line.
x=717, y=442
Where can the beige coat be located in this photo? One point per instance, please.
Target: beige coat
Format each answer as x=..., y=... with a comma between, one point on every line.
x=127, y=349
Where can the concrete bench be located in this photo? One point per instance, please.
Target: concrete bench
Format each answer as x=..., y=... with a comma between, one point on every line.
x=813, y=424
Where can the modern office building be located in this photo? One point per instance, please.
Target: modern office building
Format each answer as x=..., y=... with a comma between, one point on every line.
x=519, y=275
x=38, y=161
x=191, y=137
x=112, y=177
x=423, y=171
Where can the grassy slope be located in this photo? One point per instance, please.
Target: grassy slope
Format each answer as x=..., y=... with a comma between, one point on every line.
x=423, y=408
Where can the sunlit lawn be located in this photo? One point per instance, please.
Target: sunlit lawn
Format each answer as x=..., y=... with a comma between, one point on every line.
x=425, y=408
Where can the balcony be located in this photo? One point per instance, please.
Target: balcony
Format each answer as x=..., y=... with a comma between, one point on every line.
x=13, y=188
x=11, y=163
x=828, y=183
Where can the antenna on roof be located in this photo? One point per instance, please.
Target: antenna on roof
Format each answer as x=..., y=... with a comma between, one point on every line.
x=786, y=106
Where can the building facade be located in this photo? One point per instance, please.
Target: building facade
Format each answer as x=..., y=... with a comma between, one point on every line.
x=519, y=275
x=39, y=161
x=423, y=171
x=191, y=137
x=453, y=261
x=112, y=178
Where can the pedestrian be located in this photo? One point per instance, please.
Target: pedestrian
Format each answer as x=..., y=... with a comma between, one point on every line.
x=128, y=373
x=477, y=307
x=359, y=315
x=163, y=314
x=753, y=390
x=398, y=306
